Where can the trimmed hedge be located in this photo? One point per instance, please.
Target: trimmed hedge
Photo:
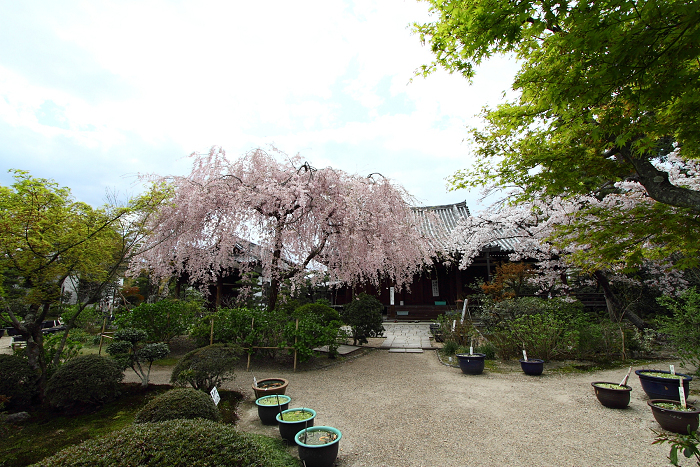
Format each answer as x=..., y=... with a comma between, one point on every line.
x=182, y=403
x=177, y=442
x=86, y=380
x=207, y=367
x=17, y=381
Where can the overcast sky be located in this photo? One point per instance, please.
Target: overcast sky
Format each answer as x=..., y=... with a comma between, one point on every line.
x=94, y=92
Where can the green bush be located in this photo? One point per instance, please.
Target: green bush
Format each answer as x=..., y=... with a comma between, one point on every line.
x=683, y=328
x=546, y=328
x=71, y=349
x=89, y=321
x=161, y=320
x=129, y=350
x=364, y=316
x=206, y=367
x=450, y=348
x=176, y=443
x=319, y=325
x=86, y=380
x=245, y=327
x=18, y=381
x=179, y=403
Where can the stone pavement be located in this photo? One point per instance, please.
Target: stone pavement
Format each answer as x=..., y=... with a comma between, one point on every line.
x=407, y=337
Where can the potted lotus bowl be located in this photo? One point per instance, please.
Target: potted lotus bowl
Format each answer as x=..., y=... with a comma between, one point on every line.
x=659, y=384
x=292, y=421
x=269, y=386
x=471, y=363
x=671, y=415
x=532, y=366
x=270, y=406
x=612, y=395
x=318, y=445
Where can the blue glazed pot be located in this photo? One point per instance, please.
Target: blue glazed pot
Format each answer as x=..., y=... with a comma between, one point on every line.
x=322, y=455
x=471, y=364
x=268, y=413
x=289, y=429
x=663, y=388
x=532, y=366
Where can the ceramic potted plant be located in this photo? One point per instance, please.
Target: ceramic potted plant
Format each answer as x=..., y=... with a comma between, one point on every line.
x=613, y=395
x=531, y=366
x=318, y=445
x=471, y=363
x=660, y=384
x=269, y=386
x=270, y=406
x=292, y=421
x=675, y=416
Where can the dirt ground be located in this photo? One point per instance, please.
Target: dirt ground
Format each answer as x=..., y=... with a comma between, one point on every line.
x=404, y=410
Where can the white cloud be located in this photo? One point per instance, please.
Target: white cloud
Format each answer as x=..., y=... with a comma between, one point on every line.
x=137, y=85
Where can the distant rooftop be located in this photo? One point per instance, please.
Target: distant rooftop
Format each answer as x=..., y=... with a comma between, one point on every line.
x=438, y=222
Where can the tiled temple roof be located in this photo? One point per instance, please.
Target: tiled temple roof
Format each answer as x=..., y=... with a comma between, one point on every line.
x=437, y=222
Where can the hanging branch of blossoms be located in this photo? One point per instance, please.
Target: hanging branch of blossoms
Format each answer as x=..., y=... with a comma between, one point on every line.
x=303, y=223
x=561, y=234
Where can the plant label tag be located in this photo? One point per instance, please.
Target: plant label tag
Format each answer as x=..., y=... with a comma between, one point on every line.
x=681, y=392
x=673, y=369
x=471, y=350
x=524, y=355
x=454, y=323
x=255, y=382
x=215, y=396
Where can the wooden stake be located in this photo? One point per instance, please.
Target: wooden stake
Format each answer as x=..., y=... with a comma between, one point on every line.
x=295, y=346
x=104, y=323
x=624, y=380
x=211, y=334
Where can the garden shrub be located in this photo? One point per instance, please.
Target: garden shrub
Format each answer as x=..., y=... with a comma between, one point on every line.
x=245, y=327
x=364, y=316
x=546, y=328
x=177, y=442
x=86, y=380
x=161, y=320
x=206, y=367
x=179, y=403
x=461, y=333
x=89, y=320
x=683, y=328
x=17, y=381
x=71, y=349
x=130, y=351
x=450, y=347
x=319, y=325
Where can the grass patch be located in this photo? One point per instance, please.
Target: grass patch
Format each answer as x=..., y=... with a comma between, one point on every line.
x=48, y=431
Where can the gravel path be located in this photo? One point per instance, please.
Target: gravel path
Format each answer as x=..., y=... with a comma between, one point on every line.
x=404, y=410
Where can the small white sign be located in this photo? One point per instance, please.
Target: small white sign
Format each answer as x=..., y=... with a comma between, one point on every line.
x=681, y=393
x=673, y=369
x=391, y=295
x=436, y=289
x=215, y=396
x=525, y=355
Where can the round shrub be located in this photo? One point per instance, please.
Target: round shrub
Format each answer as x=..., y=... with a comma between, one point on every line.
x=321, y=311
x=207, y=367
x=176, y=442
x=179, y=403
x=86, y=380
x=18, y=381
x=364, y=315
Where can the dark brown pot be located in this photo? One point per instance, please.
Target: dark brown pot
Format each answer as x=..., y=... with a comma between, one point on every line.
x=260, y=390
x=675, y=420
x=612, y=398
